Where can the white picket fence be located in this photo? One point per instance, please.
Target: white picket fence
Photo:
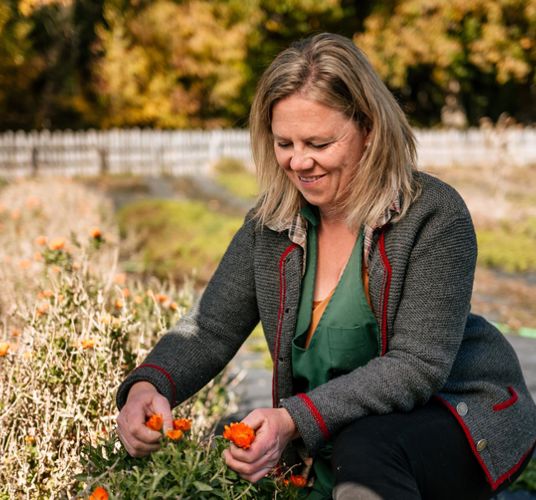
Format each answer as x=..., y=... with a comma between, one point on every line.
x=153, y=152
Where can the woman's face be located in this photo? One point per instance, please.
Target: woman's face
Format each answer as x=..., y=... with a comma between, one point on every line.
x=318, y=147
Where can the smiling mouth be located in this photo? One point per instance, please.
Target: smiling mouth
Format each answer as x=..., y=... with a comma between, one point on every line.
x=310, y=178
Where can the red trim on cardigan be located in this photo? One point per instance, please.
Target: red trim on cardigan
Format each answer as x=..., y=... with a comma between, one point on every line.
x=280, y=314
x=387, y=287
x=509, y=402
x=316, y=414
x=494, y=484
x=166, y=374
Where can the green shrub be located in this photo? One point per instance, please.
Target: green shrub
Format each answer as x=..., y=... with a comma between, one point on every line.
x=192, y=468
x=527, y=480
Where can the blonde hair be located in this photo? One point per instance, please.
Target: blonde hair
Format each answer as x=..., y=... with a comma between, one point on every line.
x=331, y=70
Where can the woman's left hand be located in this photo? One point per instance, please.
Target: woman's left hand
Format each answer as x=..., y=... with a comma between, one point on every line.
x=274, y=428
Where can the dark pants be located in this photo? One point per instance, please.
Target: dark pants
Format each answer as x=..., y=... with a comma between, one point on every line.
x=422, y=454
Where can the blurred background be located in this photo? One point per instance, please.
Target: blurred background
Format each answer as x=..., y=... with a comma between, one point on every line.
x=193, y=64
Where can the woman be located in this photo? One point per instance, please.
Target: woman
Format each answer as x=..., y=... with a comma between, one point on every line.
x=360, y=270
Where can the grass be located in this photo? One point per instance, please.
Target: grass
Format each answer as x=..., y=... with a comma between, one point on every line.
x=509, y=246
x=233, y=176
x=175, y=238
x=240, y=184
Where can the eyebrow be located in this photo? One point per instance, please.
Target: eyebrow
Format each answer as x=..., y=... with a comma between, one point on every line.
x=313, y=138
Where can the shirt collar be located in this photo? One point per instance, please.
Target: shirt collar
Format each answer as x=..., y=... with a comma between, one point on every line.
x=297, y=227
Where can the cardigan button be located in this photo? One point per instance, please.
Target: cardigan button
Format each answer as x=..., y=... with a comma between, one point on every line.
x=462, y=409
x=482, y=445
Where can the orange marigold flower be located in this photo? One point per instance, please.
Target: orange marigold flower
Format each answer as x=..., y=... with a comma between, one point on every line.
x=4, y=347
x=88, y=343
x=29, y=439
x=182, y=424
x=161, y=297
x=99, y=493
x=33, y=202
x=173, y=306
x=118, y=304
x=155, y=422
x=242, y=435
x=298, y=481
x=45, y=294
x=24, y=263
x=15, y=332
x=96, y=233
x=174, y=434
x=57, y=244
x=42, y=309
x=120, y=279
x=41, y=240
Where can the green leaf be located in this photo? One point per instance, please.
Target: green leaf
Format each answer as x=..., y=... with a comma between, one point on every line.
x=202, y=486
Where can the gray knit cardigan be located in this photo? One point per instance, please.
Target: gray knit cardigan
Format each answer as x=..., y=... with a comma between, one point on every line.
x=421, y=273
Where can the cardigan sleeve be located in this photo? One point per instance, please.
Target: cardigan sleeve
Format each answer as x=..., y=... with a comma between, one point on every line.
x=200, y=345
x=434, y=284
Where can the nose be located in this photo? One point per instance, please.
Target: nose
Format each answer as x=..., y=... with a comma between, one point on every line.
x=301, y=161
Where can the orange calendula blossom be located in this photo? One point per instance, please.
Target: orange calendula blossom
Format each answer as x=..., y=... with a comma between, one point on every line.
x=241, y=434
x=174, y=434
x=57, y=244
x=4, y=348
x=88, y=343
x=99, y=493
x=41, y=240
x=297, y=481
x=96, y=233
x=161, y=298
x=182, y=424
x=155, y=422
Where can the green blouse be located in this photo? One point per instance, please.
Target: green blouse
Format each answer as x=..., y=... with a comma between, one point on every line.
x=345, y=338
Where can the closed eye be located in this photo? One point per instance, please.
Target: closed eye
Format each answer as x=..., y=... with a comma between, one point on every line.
x=283, y=144
x=320, y=146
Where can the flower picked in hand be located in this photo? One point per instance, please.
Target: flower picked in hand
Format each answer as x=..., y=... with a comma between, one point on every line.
x=242, y=435
x=155, y=422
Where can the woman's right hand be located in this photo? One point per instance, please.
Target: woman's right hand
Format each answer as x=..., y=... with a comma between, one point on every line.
x=143, y=401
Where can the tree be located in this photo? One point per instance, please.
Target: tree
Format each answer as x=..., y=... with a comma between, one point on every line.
x=481, y=52
x=173, y=64
x=44, y=61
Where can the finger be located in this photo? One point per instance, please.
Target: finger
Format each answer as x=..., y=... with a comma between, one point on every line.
x=133, y=424
x=134, y=447
x=253, y=478
x=255, y=419
x=249, y=469
x=253, y=454
x=250, y=472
